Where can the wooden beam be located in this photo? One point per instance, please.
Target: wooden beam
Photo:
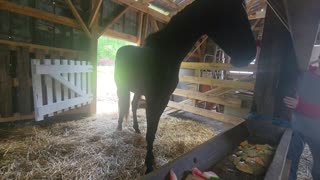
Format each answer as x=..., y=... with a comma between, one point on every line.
x=171, y=4
x=78, y=17
x=146, y=26
x=115, y=20
x=212, y=92
x=140, y=25
x=94, y=15
x=206, y=113
x=17, y=117
x=119, y=35
x=230, y=102
x=204, y=38
x=155, y=26
x=36, y=13
x=35, y=46
x=249, y=5
x=141, y=7
x=215, y=66
x=217, y=82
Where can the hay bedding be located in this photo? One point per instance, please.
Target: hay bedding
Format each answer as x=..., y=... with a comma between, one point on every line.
x=92, y=149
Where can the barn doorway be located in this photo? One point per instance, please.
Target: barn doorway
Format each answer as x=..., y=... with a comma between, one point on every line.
x=106, y=88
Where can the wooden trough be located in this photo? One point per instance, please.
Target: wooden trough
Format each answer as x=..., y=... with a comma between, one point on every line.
x=210, y=153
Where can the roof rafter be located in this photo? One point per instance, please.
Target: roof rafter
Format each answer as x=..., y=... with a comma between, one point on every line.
x=78, y=17
x=142, y=7
x=125, y=10
x=36, y=13
x=94, y=15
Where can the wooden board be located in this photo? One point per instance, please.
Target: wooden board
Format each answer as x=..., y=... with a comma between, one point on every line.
x=24, y=79
x=206, y=113
x=5, y=83
x=217, y=82
x=231, y=102
x=215, y=66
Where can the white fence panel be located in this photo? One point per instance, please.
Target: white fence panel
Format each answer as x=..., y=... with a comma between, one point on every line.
x=72, y=86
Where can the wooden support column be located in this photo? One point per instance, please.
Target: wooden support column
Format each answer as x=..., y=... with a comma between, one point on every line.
x=277, y=68
x=5, y=83
x=24, y=79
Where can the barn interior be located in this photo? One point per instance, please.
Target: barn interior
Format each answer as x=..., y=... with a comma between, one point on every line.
x=49, y=124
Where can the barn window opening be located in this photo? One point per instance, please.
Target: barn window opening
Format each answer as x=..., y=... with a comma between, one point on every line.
x=106, y=88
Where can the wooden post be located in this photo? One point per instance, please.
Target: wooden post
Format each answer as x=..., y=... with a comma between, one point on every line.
x=24, y=79
x=277, y=68
x=5, y=83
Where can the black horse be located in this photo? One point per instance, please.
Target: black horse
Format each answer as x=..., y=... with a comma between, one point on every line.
x=153, y=70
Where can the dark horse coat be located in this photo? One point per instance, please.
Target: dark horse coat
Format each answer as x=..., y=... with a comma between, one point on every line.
x=153, y=70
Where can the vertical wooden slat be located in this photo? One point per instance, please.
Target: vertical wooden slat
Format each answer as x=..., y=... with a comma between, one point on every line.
x=48, y=82
x=89, y=82
x=37, y=90
x=78, y=79
x=84, y=78
x=24, y=89
x=72, y=80
x=5, y=83
x=65, y=89
x=58, y=86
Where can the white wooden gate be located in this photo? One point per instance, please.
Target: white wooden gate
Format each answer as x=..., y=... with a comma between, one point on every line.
x=67, y=85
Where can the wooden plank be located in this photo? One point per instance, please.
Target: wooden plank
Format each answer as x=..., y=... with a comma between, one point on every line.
x=17, y=118
x=84, y=78
x=64, y=68
x=78, y=80
x=5, y=83
x=95, y=13
x=89, y=82
x=155, y=26
x=72, y=80
x=62, y=105
x=146, y=26
x=230, y=102
x=63, y=80
x=24, y=79
x=57, y=85
x=37, y=90
x=141, y=7
x=197, y=45
x=49, y=87
x=125, y=10
x=35, y=46
x=171, y=4
x=217, y=82
x=206, y=113
x=36, y=13
x=216, y=66
x=78, y=17
x=119, y=35
x=140, y=25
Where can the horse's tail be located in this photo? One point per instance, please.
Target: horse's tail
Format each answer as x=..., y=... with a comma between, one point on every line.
x=123, y=103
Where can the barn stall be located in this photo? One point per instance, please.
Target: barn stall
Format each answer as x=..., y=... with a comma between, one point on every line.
x=49, y=74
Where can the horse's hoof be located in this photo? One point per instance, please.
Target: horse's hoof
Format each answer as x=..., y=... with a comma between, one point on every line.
x=149, y=170
x=119, y=128
x=138, y=131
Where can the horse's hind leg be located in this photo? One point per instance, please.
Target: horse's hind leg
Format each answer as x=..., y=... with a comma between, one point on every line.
x=155, y=107
x=134, y=107
x=123, y=105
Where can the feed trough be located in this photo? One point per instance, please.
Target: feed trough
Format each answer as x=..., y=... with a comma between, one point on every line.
x=212, y=153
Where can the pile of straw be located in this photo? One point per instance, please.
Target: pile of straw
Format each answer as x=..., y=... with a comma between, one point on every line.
x=92, y=149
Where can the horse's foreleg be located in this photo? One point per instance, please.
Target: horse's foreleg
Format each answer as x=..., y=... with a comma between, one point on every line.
x=123, y=105
x=155, y=107
x=134, y=107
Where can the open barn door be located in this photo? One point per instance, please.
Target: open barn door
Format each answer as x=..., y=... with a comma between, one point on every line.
x=66, y=85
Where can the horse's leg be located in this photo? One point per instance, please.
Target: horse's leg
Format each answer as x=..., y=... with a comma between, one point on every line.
x=155, y=107
x=134, y=107
x=123, y=105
